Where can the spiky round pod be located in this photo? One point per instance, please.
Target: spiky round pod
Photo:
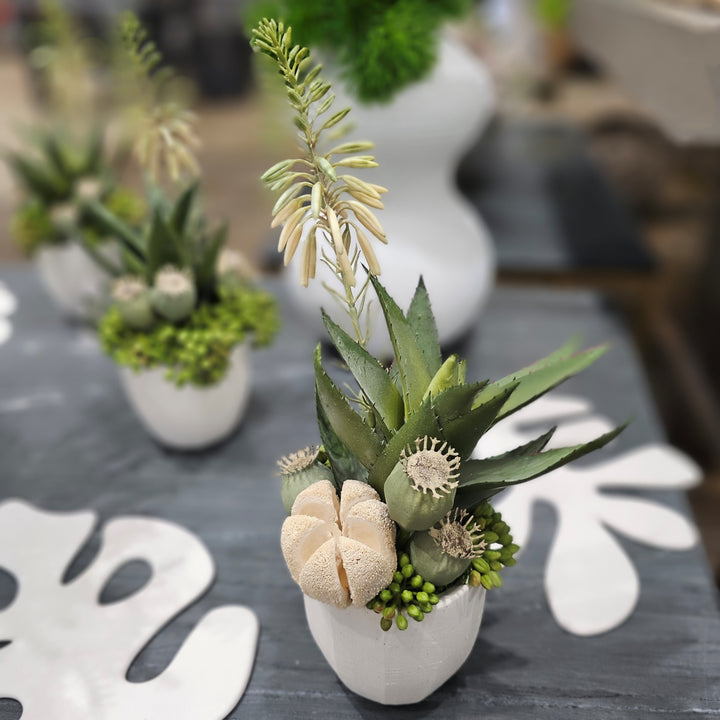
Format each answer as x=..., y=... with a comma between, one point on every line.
x=132, y=298
x=420, y=490
x=234, y=269
x=298, y=471
x=435, y=565
x=173, y=295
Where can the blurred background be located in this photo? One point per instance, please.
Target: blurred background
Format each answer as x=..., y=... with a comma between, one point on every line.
x=600, y=168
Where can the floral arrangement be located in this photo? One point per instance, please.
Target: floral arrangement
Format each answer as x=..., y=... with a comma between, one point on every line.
x=381, y=47
x=181, y=299
x=391, y=511
x=65, y=163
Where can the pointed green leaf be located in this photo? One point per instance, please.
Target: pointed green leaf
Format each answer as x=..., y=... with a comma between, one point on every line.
x=360, y=440
x=414, y=374
x=344, y=464
x=421, y=423
x=56, y=156
x=162, y=246
x=37, y=180
x=456, y=401
x=93, y=159
x=478, y=477
x=182, y=209
x=371, y=376
x=206, y=265
x=464, y=432
x=112, y=226
x=542, y=376
x=422, y=321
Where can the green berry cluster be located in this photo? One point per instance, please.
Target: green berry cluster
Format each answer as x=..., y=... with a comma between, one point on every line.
x=485, y=569
x=408, y=594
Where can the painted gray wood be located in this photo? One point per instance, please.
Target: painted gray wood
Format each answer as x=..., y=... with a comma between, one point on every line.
x=68, y=441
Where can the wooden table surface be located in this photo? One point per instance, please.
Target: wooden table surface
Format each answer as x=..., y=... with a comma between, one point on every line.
x=69, y=441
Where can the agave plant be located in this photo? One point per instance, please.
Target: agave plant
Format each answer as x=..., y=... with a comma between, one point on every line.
x=407, y=432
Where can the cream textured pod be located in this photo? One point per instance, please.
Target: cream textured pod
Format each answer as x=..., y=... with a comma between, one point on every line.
x=340, y=552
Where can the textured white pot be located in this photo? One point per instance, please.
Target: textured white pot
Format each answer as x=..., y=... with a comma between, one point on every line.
x=71, y=278
x=432, y=230
x=190, y=418
x=394, y=667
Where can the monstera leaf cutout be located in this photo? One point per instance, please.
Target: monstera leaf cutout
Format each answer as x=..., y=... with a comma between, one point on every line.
x=62, y=653
x=8, y=305
x=591, y=584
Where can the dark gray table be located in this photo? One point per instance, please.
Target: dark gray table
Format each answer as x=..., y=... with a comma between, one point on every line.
x=68, y=441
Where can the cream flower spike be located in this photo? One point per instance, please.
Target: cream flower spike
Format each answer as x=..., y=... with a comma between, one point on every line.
x=340, y=552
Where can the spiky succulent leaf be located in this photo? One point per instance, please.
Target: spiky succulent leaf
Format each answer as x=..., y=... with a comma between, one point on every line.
x=40, y=182
x=422, y=321
x=182, y=209
x=481, y=478
x=540, y=377
x=342, y=461
x=421, y=423
x=464, y=431
x=56, y=156
x=370, y=375
x=412, y=368
x=206, y=262
x=111, y=225
x=347, y=424
x=456, y=401
x=163, y=246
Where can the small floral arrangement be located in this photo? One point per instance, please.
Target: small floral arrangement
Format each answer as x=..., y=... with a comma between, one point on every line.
x=392, y=510
x=65, y=163
x=381, y=47
x=181, y=299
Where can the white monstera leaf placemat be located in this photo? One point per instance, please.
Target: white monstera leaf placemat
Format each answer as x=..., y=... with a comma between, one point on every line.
x=66, y=654
x=585, y=551
x=8, y=305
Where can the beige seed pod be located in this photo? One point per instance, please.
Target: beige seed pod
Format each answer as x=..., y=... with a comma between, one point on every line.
x=354, y=492
x=369, y=523
x=287, y=211
x=300, y=537
x=367, y=219
x=367, y=571
x=323, y=579
x=290, y=226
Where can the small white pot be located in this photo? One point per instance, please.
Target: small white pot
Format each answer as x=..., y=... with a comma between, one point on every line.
x=71, y=278
x=189, y=417
x=394, y=667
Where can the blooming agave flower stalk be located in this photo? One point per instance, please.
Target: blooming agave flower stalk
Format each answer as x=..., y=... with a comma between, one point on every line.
x=407, y=431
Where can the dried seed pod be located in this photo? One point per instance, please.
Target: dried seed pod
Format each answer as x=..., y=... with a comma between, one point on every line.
x=132, y=299
x=298, y=471
x=420, y=490
x=173, y=295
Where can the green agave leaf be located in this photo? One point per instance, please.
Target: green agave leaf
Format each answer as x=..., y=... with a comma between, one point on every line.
x=116, y=228
x=371, y=376
x=464, y=432
x=93, y=159
x=422, y=321
x=456, y=401
x=421, y=423
x=206, y=263
x=344, y=464
x=182, y=209
x=40, y=182
x=542, y=376
x=56, y=156
x=478, y=477
x=132, y=263
x=162, y=246
x=414, y=374
x=359, y=439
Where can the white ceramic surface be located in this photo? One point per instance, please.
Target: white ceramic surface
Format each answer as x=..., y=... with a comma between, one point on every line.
x=432, y=230
x=190, y=418
x=68, y=655
x=71, y=278
x=8, y=305
x=590, y=580
x=394, y=667
x=666, y=54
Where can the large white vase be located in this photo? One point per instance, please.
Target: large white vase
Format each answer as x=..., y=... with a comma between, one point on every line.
x=394, y=667
x=72, y=279
x=432, y=230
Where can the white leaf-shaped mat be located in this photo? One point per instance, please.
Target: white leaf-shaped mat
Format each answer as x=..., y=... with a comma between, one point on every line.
x=68, y=655
x=590, y=582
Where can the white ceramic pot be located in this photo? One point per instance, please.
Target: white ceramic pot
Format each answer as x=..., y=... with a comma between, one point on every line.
x=190, y=418
x=394, y=667
x=432, y=230
x=72, y=279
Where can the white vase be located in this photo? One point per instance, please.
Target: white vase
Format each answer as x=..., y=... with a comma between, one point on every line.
x=190, y=417
x=394, y=667
x=72, y=278
x=432, y=230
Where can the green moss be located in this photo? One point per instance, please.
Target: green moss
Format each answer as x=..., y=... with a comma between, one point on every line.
x=31, y=227
x=197, y=351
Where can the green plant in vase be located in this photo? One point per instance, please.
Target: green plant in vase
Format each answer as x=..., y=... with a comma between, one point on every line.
x=65, y=162
x=185, y=307
x=391, y=514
